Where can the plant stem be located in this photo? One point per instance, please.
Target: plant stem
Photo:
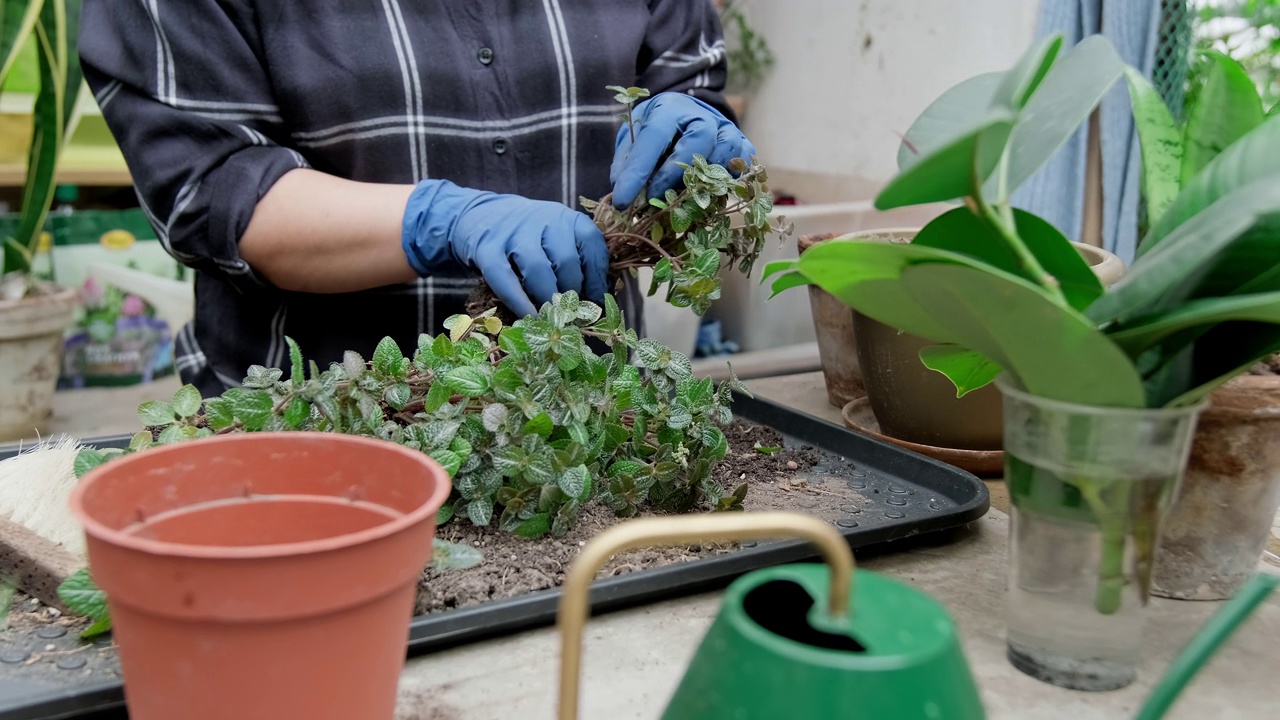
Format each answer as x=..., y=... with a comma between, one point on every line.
x=1113, y=524
x=1004, y=222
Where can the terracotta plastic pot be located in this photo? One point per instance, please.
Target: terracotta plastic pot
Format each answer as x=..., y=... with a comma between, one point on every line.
x=833, y=330
x=262, y=575
x=1215, y=532
x=31, y=332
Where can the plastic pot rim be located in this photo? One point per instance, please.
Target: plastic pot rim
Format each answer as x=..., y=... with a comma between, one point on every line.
x=98, y=530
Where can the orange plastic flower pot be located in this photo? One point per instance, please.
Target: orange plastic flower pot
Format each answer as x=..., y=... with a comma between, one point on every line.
x=262, y=575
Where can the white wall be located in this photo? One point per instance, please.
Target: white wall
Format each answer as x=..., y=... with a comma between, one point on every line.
x=851, y=73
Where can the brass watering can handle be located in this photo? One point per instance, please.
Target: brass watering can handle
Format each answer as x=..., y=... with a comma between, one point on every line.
x=574, y=607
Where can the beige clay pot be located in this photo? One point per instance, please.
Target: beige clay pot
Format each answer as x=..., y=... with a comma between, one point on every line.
x=31, y=331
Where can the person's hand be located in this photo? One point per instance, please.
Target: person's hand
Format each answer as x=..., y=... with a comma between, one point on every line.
x=697, y=129
x=527, y=250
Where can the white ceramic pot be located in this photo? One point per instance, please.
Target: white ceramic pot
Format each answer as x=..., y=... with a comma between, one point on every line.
x=31, y=337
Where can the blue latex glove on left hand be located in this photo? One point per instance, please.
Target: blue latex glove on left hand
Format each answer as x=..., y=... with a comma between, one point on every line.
x=697, y=128
x=554, y=248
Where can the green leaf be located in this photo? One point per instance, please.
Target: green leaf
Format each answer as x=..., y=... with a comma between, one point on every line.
x=510, y=461
x=1161, y=145
x=1065, y=98
x=141, y=441
x=678, y=417
x=175, y=433
x=186, y=402
x=540, y=425
x=447, y=555
x=966, y=369
x=961, y=108
x=86, y=460
x=397, y=395
x=1166, y=276
x=948, y=173
x=650, y=353
x=1227, y=108
x=1050, y=350
x=575, y=482
x=766, y=449
x=251, y=407
x=99, y=627
x=437, y=396
x=297, y=413
x=707, y=263
x=480, y=511
x=1197, y=315
x=297, y=376
x=1246, y=161
x=218, y=413
x=156, y=412
x=535, y=527
x=1020, y=83
x=962, y=232
x=788, y=281
x=387, y=357
x=82, y=596
x=467, y=380
x=444, y=514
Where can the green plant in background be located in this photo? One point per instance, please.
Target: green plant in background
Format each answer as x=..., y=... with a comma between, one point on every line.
x=1001, y=290
x=749, y=56
x=1246, y=30
x=52, y=25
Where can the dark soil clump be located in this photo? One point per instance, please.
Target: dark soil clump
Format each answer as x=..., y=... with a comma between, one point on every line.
x=781, y=480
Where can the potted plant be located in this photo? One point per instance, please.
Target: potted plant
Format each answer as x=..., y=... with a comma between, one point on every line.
x=1220, y=520
x=35, y=314
x=1102, y=387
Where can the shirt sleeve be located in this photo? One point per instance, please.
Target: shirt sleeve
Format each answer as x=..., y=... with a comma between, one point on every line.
x=684, y=51
x=182, y=89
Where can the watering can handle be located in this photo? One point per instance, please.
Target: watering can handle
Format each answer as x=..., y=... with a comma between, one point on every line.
x=573, y=610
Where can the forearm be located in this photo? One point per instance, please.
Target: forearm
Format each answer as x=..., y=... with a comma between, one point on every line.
x=317, y=233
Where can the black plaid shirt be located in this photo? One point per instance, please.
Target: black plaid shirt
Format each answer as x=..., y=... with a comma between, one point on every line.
x=212, y=101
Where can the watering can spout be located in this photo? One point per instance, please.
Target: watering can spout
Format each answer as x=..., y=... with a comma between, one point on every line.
x=796, y=641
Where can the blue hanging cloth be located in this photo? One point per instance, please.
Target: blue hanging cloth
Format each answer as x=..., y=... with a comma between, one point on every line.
x=1057, y=191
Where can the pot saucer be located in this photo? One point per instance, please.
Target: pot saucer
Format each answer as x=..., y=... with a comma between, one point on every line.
x=857, y=416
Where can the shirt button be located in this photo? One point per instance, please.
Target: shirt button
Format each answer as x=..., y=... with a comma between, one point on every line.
x=500, y=145
x=485, y=55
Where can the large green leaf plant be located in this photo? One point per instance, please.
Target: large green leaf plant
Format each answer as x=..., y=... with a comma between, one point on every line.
x=52, y=26
x=1003, y=291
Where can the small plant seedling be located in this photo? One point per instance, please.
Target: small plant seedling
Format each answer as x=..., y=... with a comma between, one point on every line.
x=767, y=449
x=83, y=597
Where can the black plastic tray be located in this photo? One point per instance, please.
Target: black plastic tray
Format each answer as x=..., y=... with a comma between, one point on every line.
x=938, y=498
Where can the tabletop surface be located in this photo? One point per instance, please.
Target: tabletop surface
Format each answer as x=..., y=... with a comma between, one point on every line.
x=634, y=659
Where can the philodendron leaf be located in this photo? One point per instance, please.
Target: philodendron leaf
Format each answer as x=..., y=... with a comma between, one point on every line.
x=948, y=173
x=1244, y=162
x=965, y=233
x=1227, y=109
x=1021, y=81
x=966, y=369
x=1161, y=144
x=956, y=111
x=1065, y=98
x=1195, y=316
x=1188, y=253
x=1050, y=350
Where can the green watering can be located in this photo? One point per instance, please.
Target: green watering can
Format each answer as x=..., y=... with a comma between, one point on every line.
x=797, y=641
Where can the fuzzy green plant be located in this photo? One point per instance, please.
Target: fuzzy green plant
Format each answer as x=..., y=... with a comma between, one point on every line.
x=719, y=218
x=1000, y=290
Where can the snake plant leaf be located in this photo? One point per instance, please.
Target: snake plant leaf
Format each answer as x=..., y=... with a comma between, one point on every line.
x=1020, y=82
x=866, y=276
x=1050, y=350
x=948, y=172
x=1162, y=277
x=1062, y=102
x=17, y=19
x=1244, y=162
x=966, y=369
x=962, y=231
x=1196, y=316
x=962, y=107
x=1228, y=108
x=1161, y=144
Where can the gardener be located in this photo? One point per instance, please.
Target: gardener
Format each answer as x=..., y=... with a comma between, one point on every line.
x=342, y=175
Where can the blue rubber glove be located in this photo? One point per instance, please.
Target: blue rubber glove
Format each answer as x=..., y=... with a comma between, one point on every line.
x=527, y=250
x=696, y=127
